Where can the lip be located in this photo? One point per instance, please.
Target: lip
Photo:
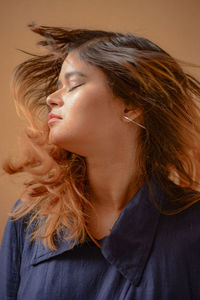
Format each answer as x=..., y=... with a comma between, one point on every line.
x=53, y=118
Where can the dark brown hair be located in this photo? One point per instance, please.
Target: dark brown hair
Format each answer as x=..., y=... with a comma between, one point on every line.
x=144, y=76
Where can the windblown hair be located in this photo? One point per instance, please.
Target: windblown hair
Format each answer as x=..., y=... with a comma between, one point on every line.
x=144, y=76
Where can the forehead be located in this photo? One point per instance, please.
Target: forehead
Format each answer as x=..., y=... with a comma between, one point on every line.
x=75, y=65
x=72, y=61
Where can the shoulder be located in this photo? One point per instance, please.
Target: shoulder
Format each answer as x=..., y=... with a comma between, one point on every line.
x=10, y=256
x=14, y=231
x=190, y=215
x=17, y=231
x=182, y=230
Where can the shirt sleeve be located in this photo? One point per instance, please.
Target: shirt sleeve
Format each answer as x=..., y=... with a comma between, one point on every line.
x=10, y=258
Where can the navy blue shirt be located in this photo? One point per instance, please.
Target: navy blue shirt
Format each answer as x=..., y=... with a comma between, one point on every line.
x=147, y=256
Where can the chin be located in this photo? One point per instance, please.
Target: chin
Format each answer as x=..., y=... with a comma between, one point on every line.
x=65, y=144
x=55, y=140
x=52, y=139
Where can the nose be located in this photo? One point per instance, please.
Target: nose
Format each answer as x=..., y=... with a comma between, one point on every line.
x=54, y=99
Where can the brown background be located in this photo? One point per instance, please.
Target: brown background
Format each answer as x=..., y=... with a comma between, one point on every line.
x=173, y=24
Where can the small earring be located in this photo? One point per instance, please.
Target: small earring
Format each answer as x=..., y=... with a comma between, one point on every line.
x=127, y=118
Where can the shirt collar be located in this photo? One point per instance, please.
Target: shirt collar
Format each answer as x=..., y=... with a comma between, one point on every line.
x=130, y=241
x=42, y=253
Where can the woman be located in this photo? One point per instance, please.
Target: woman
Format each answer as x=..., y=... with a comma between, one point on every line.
x=111, y=210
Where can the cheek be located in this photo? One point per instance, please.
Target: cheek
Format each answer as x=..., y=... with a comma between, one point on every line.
x=86, y=118
x=79, y=113
x=86, y=106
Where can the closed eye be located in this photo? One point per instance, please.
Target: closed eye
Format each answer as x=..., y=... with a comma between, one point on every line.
x=73, y=88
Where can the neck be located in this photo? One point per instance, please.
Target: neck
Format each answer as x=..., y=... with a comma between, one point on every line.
x=113, y=179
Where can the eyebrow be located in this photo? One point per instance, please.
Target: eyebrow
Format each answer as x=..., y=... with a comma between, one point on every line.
x=72, y=73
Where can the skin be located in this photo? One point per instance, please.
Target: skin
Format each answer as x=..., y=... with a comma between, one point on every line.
x=92, y=126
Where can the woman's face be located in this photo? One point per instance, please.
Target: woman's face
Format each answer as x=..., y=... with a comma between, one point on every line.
x=87, y=114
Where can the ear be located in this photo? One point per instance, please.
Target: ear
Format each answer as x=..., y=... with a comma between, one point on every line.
x=132, y=113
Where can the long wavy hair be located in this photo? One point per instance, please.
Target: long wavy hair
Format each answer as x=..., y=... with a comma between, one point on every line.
x=144, y=76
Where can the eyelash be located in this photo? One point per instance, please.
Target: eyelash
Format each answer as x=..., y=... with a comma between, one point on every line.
x=73, y=88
